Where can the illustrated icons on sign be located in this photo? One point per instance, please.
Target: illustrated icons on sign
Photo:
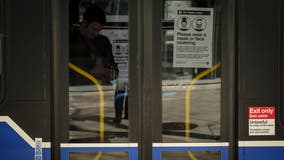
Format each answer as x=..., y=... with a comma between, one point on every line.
x=117, y=50
x=184, y=23
x=198, y=24
x=120, y=49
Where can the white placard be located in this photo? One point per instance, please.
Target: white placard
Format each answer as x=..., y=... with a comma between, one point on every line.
x=193, y=32
x=261, y=120
x=119, y=41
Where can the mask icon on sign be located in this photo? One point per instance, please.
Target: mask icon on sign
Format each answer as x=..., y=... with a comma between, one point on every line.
x=199, y=24
x=183, y=23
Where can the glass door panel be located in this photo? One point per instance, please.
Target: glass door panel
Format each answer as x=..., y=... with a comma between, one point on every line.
x=98, y=79
x=191, y=79
x=99, y=74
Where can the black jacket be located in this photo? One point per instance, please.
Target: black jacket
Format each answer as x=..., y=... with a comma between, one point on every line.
x=82, y=55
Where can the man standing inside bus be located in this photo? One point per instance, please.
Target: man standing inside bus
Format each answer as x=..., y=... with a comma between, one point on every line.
x=91, y=50
x=105, y=69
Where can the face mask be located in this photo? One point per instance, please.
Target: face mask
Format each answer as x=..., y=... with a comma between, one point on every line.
x=86, y=33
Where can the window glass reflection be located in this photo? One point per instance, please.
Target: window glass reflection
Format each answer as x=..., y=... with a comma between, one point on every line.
x=191, y=62
x=182, y=155
x=98, y=155
x=98, y=76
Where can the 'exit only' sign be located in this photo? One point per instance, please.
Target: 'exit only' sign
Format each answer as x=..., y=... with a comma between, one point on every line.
x=261, y=120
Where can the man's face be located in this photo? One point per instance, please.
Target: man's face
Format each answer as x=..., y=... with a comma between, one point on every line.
x=95, y=28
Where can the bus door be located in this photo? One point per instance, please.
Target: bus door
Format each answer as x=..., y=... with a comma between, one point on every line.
x=170, y=97
x=100, y=116
x=196, y=62
x=161, y=80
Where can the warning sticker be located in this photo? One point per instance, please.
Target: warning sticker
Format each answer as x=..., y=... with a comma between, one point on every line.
x=261, y=120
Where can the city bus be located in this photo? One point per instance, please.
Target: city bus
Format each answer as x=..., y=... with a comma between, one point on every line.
x=196, y=80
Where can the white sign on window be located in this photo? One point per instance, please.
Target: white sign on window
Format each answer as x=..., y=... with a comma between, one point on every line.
x=193, y=30
x=119, y=41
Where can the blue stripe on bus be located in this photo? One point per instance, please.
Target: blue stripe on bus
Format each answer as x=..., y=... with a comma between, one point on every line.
x=14, y=147
x=261, y=153
x=245, y=153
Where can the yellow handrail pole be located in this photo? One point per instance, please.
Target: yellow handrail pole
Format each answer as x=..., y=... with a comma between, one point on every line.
x=187, y=97
x=98, y=85
x=191, y=155
x=96, y=82
x=187, y=103
x=98, y=156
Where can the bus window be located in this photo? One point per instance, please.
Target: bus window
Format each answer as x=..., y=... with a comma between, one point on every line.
x=98, y=76
x=191, y=79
